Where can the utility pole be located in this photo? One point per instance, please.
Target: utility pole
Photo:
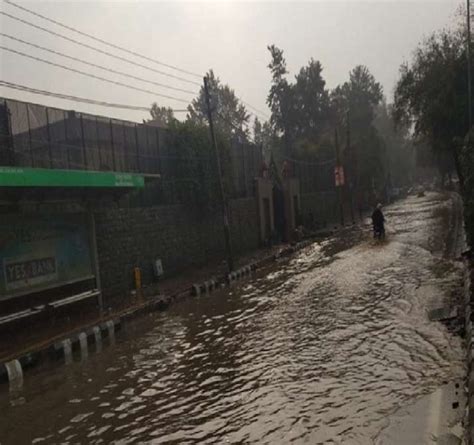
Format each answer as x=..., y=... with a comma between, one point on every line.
x=228, y=244
x=351, y=173
x=338, y=186
x=468, y=54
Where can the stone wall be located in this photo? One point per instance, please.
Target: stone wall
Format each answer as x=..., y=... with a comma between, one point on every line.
x=179, y=235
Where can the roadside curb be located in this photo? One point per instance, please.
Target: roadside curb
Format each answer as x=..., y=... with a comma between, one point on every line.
x=62, y=349
x=59, y=349
x=209, y=286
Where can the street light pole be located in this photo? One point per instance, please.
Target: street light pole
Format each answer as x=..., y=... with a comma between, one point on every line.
x=228, y=244
x=469, y=94
x=351, y=169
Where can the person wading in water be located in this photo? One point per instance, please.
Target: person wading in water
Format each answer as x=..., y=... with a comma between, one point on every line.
x=378, y=221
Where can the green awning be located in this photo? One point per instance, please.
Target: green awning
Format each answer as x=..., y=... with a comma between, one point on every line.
x=43, y=177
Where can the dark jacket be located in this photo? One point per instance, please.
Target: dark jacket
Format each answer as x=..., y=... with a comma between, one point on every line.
x=377, y=218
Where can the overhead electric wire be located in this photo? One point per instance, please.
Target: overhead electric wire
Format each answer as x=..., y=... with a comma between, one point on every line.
x=76, y=59
x=93, y=48
x=256, y=110
x=236, y=128
x=72, y=98
x=74, y=70
x=104, y=42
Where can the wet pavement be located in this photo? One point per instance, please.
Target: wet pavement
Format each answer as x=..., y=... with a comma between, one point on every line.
x=332, y=346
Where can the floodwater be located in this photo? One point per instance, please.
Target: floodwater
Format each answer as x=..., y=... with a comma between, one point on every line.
x=320, y=348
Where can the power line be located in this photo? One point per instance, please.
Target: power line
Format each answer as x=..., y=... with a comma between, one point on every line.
x=256, y=110
x=104, y=42
x=84, y=73
x=85, y=45
x=76, y=59
x=69, y=97
x=240, y=131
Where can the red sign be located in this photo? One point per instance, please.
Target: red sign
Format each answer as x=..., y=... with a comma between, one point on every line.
x=339, y=175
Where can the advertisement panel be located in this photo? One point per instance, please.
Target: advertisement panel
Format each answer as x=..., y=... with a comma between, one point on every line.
x=339, y=175
x=39, y=252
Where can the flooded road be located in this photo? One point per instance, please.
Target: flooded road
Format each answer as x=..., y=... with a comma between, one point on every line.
x=320, y=348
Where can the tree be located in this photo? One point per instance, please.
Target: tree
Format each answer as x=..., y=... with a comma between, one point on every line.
x=357, y=98
x=300, y=110
x=230, y=115
x=163, y=116
x=353, y=105
x=311, y=103
x=431, y=95
x=265, y=137
x=280, y=97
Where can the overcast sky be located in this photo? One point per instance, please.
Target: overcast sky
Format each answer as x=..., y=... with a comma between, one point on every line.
x=230, y=37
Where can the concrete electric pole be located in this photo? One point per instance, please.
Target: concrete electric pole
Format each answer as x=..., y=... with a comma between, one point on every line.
x=338, y=173
x=228, y=243
x=468, y=54
x=351, y=169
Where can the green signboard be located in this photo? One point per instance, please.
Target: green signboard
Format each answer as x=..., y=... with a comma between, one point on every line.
x=39, y=252
x=43, y=177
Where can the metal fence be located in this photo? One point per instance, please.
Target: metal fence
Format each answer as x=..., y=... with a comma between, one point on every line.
x=245, y=161
x=315, y=176
x=45, y=137
x=37, y=136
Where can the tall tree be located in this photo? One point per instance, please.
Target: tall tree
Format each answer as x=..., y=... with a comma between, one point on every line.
x=300, y=110
x=230, y=115
x=311, y=104
x=163, y=116
x=265, y=137
x=353, y=105
x=431, y=94
x=280, y=98
x=357, y=98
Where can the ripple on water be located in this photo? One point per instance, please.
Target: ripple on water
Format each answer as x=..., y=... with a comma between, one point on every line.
x=320, y=350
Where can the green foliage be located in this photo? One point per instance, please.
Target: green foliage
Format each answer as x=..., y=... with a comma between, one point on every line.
x=230, y=115
x=311, y=102
x=431, y=92
x=194, y=176
x=305, y=114
x=264, y=136
x=354, y=105
x=163, y=116
x=357, y=98
x=431, y=95
x=280, y=97
x=300, y=110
